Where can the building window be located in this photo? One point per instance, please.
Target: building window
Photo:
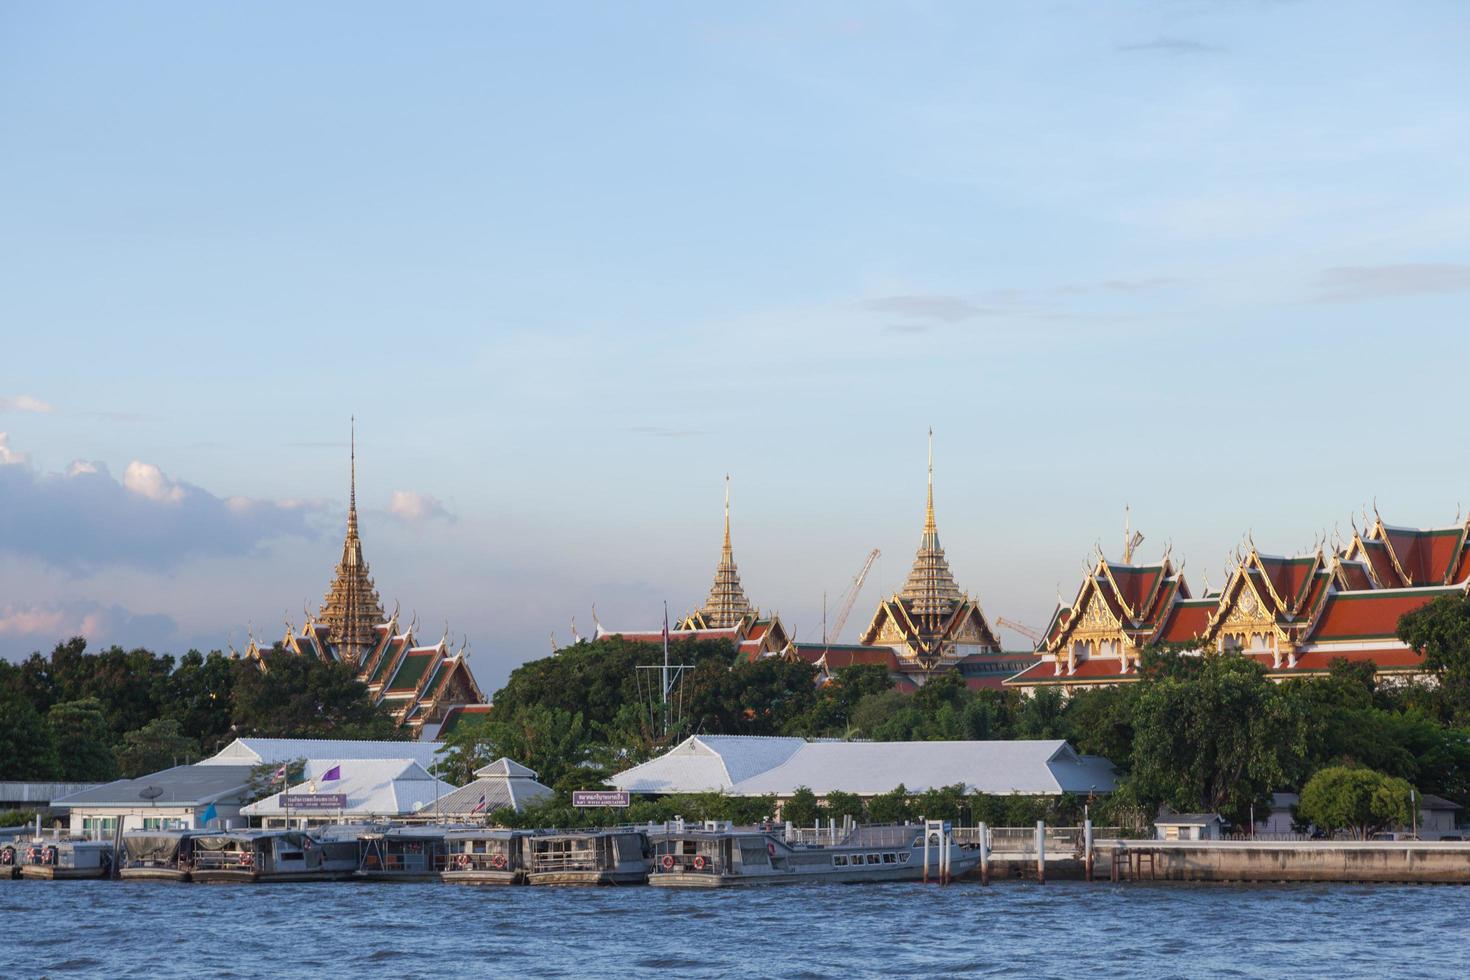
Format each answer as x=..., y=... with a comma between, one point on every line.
x=99, y=826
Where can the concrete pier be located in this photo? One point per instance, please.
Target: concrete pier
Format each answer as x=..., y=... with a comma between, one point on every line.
x=1344, y=861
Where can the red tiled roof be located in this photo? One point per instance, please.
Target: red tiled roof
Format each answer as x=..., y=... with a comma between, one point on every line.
x=1186, y=622
x=993, y=683
x=1377, y=553
x=657, y=636
x=1370, y=615
x=847, y=655
x=1386, y=657
x=1094, y=669
x=1136, y=585
x=1462, y=571
x=1355, y=575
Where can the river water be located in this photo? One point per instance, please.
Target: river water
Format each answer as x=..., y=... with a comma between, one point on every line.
x=1061, y=929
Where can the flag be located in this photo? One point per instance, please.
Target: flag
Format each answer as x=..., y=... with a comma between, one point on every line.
x=279, y=773
x=210, y=813
x=333, y=773
x=666, y=625
x=480, y=805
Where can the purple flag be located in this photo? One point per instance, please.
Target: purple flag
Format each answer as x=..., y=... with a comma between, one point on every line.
x=333, y=773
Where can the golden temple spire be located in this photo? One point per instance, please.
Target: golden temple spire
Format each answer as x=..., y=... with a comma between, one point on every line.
x=351, y=607
x=930, y=584
x=726, y=605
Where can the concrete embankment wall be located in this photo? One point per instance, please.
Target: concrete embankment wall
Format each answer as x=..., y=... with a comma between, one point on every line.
x=1397, y=861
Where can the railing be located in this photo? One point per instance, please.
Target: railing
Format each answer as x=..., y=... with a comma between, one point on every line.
x=228, y=861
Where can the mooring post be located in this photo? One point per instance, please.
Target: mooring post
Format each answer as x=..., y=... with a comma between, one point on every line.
x=926, y=854
x=1041, y=852
x=984, y=855
x=1087, y=847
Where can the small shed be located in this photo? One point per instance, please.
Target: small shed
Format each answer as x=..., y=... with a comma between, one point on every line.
x=1189, y=826
x=1437, y=817
x=502, y=785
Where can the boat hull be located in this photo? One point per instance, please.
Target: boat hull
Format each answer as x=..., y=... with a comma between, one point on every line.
x=153, y=874
x=406, y=876
x=484, y=877
x=61, y=874
x=242, y=877
x=587, y=878
x=693, y=879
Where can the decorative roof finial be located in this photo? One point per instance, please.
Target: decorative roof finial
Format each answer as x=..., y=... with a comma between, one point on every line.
x=929, y=525
x=352, y=480
x=727, y=512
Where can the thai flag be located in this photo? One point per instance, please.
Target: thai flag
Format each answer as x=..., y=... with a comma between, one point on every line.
x=279, y=773
x=480, y=805
x=333, y=773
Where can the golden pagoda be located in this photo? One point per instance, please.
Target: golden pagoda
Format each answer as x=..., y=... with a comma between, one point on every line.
x=351, y=608
x=727, y=606
x=930, y=622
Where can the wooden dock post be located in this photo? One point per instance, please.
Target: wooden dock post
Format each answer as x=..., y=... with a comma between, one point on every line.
x=984, y=855
x=1087, y=847
x=1041, y=852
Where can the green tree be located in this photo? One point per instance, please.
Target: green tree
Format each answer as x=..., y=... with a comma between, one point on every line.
x=891, y=807
x=83, y=741
x=945, y=803
x=1041, y=715
x=801, y=808
x=840, y=805
x=157, y=745
x=1441, y=631
x=291, y=696
x=1358, y=801
x=200, y=697
x=550, y=740
x=1217, y=737
x=471, y=746
x=27, y=747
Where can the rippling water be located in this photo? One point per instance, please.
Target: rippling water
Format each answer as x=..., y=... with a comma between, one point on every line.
x=1062, y=929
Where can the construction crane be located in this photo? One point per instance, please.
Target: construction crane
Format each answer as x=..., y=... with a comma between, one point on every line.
x=1033, y=635
x=849, y=596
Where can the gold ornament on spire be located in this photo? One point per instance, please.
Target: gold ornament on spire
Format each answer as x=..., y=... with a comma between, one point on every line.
x=351, y=607
x=726, y=606
x=930, y=585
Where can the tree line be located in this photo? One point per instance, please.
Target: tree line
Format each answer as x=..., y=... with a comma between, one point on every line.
x=77, y=716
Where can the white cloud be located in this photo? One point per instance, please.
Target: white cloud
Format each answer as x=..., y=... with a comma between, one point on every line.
x=8, y=456
x=32, y=621
x=412, y=506
x=33, y=627
x=80, y=467
x=24, y=403
x=147, y=480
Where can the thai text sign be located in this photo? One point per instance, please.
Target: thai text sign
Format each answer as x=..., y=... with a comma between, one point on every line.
x=314, y=801
x=598, y=797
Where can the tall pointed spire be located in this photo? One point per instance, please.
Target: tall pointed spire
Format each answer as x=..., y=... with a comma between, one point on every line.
x=727, y=604
x=930, y=584
x=351, y=607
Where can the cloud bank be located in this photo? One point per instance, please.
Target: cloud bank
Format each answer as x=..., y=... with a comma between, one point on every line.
x=413, y=507
x=84, y=517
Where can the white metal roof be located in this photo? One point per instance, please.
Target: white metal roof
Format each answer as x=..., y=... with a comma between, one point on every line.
x=373, y=787
x=708, y=764
x=254, y=751
x=781, y=766
x=179, y=786
x=497, y=791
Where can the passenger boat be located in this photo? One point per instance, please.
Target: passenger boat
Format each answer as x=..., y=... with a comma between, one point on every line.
x=156, y=855
x=593, y=857
x=722, y=856
x=486, y=857
x=401, y=854
x=11, y=855
x=264, y=855
x=63, y=859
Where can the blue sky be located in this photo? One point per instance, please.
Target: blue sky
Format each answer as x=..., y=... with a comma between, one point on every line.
x=571, y=263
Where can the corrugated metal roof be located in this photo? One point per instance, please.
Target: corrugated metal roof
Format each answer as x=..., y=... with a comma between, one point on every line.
x=506, y=767
x=708, y=764
x=373, y=787
x=498, y=792
x=181, y=785
x=254, y=751
x=781, y=766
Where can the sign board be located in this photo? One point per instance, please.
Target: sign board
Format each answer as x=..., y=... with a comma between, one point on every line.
x=314, y=801
x=599, y=797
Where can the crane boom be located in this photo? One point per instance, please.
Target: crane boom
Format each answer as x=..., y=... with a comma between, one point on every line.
x=1033, y=635
x=849, y=596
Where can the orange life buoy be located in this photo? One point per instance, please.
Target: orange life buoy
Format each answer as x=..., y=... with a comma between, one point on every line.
x=463, y=862
x=48, y=854
x=771, y=848
x=699, y=862
x=7, y=856
x=667, y=862
x=246, y=859
x=499, y=862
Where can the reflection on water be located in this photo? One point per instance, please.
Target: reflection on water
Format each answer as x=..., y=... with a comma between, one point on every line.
x=1063, y=929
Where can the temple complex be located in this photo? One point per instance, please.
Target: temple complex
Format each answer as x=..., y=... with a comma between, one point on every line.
x=930, y=625
x=726, y=607
x=1292, y=614
x=419, y=684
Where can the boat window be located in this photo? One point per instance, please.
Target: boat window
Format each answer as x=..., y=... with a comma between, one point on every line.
x=839, y=860
x=903, y=858
x=890, y=859
x=873, y=859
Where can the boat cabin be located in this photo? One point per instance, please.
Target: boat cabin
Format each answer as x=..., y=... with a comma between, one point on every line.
x=598, y=857
x=163, y=855
x=401, y=854
x=486, y=856
x=67, y=859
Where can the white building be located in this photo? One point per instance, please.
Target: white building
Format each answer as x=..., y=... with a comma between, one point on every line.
x=172, y=798
x=275, y=751
x=501, y=785
x=370, y=789
x=741, y=765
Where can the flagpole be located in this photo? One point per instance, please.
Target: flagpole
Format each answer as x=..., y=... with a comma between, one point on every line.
x=664, y=693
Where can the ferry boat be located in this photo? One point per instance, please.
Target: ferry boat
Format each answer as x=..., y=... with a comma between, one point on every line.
x=156, y=855
x=593, y=857
x=265, y=855
x=486, y=857
x=61, y=859
x=720, y=856
x=401, y=854
x=11, y=856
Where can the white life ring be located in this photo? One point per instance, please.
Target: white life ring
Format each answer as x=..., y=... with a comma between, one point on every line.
x=667, y=862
